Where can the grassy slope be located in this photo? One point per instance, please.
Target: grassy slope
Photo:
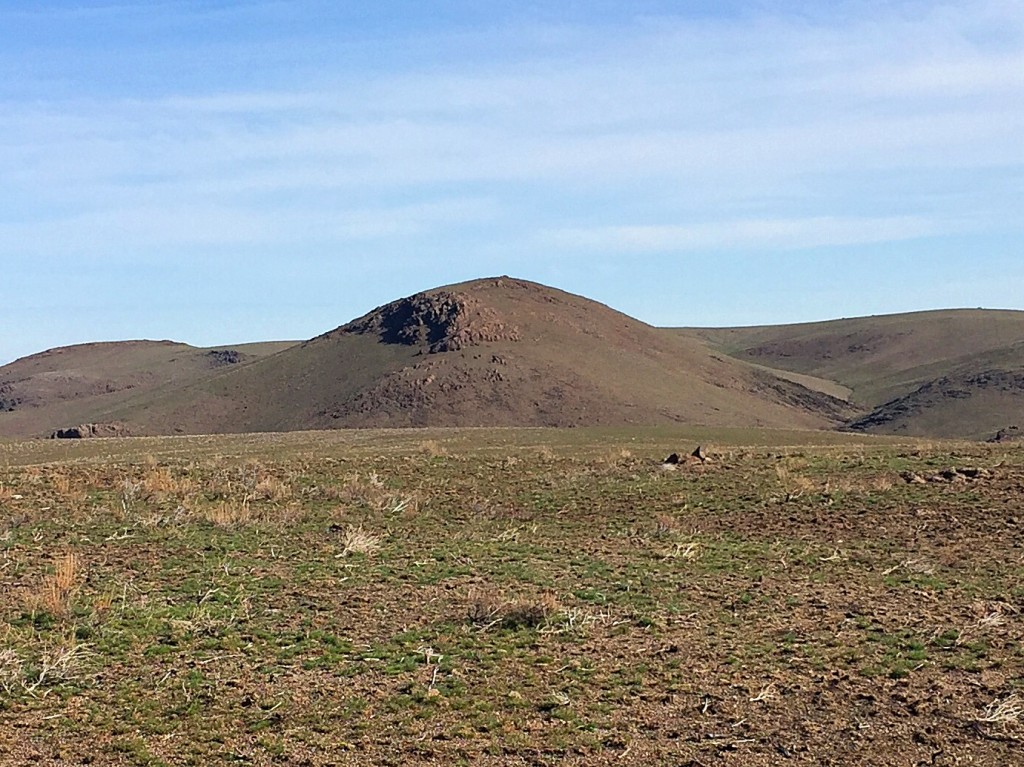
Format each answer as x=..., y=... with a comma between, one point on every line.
x=976, y=398
x=279, y=393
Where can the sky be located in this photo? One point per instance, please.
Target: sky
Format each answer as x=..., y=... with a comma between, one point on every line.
x=225, y=171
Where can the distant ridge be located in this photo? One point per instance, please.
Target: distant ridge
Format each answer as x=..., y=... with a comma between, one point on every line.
x=943, y=373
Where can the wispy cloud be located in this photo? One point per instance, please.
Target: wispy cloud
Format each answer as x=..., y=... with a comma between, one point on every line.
x=149, y=232
x=763, y=234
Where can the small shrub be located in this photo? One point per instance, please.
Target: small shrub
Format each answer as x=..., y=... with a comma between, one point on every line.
x=1007, y=711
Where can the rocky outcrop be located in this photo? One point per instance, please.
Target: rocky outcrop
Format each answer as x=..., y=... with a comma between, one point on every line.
x=1009, y=434
x=89, y=430
x=9, y=401
x=439, y=321
x=219, y=357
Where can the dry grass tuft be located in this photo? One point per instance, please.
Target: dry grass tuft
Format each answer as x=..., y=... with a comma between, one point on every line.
x=665, y=524
x=545, y=453
x=1007, y=711
x=881, y=483
x=10, y=670
x=55, y=593
x=369, y=491
x=68, y=489
x=62, y=485
x=372, y=493
x=767, y=694
x=359, y=541
x=227, y=514
x=685, y=551
x=272, y=489
x=432, y=448
x=161, y=481
x=573, y=620
x=487, y=610
x=990, y=616
x=793, y=484
x=615, y=457
x=64, y=663
x=130, y=493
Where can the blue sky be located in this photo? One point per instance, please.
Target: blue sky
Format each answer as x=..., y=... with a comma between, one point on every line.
x=219, y=172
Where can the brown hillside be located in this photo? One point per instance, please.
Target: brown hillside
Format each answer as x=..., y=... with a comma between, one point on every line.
x=489, y=352
x=879, y=358
x=504, y=351
x=952, y=373
x=84, y=383
x=977, y=399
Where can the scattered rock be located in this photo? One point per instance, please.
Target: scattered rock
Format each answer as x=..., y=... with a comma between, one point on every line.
x=1009, y=434
x=699, y=455
x=89, y=430
x=947, y=476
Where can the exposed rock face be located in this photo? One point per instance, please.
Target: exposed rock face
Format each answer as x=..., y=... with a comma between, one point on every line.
x=88, y=430
x=8, y=400
x=220, y=357
x=798, y=395
x=441, y=321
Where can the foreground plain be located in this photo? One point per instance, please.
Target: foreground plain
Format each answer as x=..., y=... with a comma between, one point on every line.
x=510, y=597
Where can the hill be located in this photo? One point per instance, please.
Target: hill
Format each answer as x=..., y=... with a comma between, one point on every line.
x=488, y=352
x=85, y=383
x=508, y=352
x=950, y=373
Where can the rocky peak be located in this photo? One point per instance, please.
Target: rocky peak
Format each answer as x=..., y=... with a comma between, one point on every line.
x=441, y=321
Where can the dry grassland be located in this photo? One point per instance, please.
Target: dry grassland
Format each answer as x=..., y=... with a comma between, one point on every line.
x=509, y=597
